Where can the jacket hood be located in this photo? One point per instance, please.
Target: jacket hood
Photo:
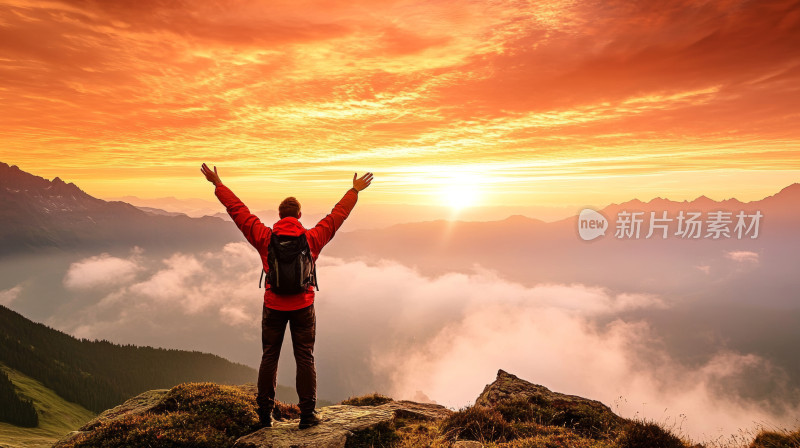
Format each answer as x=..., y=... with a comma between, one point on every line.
x=288, y=226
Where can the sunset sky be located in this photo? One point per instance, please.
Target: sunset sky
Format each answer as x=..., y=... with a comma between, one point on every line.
x=483, y=102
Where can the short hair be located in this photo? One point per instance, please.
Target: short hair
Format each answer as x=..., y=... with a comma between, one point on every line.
x=289, y=207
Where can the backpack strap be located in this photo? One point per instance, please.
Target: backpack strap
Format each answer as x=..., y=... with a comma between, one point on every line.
x=314, y=273
x=313, y=263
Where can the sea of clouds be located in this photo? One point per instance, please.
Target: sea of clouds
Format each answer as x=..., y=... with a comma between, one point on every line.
x=389, y=328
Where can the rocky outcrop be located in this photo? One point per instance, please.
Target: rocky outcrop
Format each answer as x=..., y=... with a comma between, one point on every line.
x=516, y=396
x=508, y=387
x=230, y=411
x=341, y=424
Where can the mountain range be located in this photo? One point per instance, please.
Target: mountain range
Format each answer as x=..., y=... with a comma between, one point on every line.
x=531, y=251
x=39, y=215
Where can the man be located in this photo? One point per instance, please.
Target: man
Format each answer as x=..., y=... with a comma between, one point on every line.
x=296, y=309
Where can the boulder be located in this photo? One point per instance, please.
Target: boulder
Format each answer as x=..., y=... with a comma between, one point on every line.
x=516, y=398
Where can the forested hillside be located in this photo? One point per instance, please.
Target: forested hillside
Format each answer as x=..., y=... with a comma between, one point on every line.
x=98, y=374
x=15, y=409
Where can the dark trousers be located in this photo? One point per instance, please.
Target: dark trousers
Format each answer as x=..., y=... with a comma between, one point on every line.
x=303, y=328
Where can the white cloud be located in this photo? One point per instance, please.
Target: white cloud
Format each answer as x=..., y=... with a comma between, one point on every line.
x=184, y=284
x=179, y=281
x=102, y=271
x=237, y=315
x=9, y=295
x=742, y=256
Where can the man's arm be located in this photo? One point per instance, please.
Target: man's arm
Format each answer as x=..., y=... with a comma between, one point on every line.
x=323, y=232
x=253, y=229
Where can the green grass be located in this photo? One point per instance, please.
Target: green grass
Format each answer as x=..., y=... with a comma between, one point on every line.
x=57, y=417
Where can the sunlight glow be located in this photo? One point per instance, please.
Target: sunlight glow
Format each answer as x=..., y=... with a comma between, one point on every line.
x=460, y=191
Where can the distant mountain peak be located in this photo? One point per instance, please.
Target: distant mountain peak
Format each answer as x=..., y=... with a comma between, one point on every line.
x=522, y=220
x=44, y=214
x=789, y=194
x=793, y=189
x=38, y=190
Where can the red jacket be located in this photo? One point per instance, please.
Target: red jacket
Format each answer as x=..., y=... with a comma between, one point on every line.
x=258, y=235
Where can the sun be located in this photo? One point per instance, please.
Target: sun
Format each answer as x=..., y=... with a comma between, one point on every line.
x=460, y=192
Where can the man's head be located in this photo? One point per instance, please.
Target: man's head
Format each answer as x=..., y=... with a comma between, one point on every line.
x=289, y=207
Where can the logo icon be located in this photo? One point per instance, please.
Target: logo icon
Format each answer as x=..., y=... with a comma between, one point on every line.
x=591, y=224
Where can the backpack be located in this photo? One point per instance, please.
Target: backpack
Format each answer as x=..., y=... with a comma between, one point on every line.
x=291, y=266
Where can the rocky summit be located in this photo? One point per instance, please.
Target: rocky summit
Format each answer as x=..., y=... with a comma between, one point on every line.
x=509, y=413
x=210, y=415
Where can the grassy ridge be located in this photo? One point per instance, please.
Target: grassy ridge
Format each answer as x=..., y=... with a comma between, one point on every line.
x=56, y=415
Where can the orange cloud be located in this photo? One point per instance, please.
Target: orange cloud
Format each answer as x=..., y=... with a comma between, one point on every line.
x=109, y=93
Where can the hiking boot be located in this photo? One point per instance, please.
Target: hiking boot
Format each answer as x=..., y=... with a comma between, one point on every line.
x=307, y=421
x=265, y=417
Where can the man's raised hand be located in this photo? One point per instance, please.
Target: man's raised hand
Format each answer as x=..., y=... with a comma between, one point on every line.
x=211, y=176
x=362, y=182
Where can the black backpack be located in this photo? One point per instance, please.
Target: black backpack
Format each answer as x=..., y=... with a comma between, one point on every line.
x=291, y=266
